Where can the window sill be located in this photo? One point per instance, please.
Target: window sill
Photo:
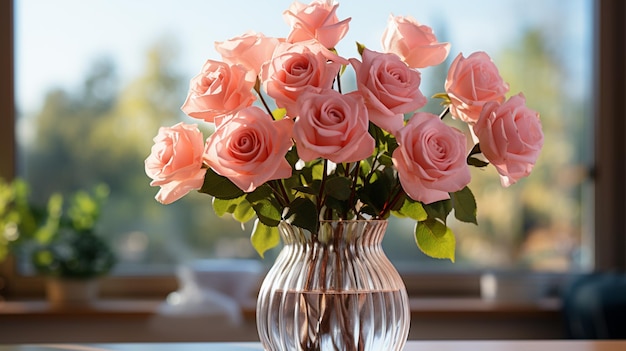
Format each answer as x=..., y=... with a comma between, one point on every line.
x=420, y=307
x=139, y=321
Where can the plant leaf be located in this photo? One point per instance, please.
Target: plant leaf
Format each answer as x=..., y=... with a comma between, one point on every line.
x=303, y=213
x=360, y=48
x=376, y=193
x=435, y=239
x=292, y=156
x=473, y=161
x=475, y=150
x=219, y=186
x=310, y=190
x=338, y=187
x=339, y=207
x=267, y=212
x=439, y=210
x=264, y=237
x=260, y=193
x=279, y=113
x=414, y=210
x=222, y=207
x=444, y=97
x=317, y=170
x=385, y=160
x=464, y=205
x=244, y=212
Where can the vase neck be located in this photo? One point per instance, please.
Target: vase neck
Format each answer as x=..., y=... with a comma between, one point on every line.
x=336, y=233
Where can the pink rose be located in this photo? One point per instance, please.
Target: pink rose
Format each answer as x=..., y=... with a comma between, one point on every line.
x=298, y=67
x=249, y=148
x=219, y=89
x=251, y=50
x=471, y=83
x=317, y=20
x=175, y=162
x=430, y=158
x=390, y=88
x=333, y=126
x=510, y=137
x=416, y=44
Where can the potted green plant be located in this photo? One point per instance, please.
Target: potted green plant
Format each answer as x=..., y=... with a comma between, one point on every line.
x=72, y=261
x=60, y=241
x=17, y=216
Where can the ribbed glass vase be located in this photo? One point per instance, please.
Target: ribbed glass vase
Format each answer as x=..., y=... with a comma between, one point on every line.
x=334, y=290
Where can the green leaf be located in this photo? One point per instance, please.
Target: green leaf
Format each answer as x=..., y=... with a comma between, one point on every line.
x=264, y=237
x=475, y=150
x=378, y=134
x=392, y=145
x=414, y=210
x=303, y=213
x=444, y=97
x=292, y=156
x=268, y=212
x=464, y=205
x=360, y=48
x=47, y=231
x=439, y=210
x=340, y=168
x=376, y=193
x=279, y=113
x=366, y=167
x=385, y=160
x=343, y=67
x=338, y=187
x=306, y=175
x=244, y=212
x=263, y=192
x=219, y=186
x=369, y=210
x=435, y=239
x=222, y=207
x=309, y=190
x=317, y=170
x=399, y=202
x=292, y=182
x=339, y=207
x=473, y=161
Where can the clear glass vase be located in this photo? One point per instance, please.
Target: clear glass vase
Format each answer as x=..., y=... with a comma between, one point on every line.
x=334, y=290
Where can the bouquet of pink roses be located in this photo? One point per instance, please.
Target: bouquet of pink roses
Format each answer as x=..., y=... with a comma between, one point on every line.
x=290, y=145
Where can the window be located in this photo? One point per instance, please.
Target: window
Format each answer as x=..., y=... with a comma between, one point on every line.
x=86, y=112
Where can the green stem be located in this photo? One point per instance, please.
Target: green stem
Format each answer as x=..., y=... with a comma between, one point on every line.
x=281, y=186
x=257, y=88
x=320, y=197
x=280, y=196
x=391, y=204
x=372, y=169
x=339, y=82
x=355, y=178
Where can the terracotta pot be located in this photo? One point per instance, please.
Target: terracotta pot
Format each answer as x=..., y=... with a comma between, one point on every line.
x=71, y=292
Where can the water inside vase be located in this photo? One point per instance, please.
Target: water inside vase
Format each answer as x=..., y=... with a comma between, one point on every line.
x=333, y=320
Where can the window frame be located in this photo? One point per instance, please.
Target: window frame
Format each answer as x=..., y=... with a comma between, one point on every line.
x=610, y=128
x=608, y=171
